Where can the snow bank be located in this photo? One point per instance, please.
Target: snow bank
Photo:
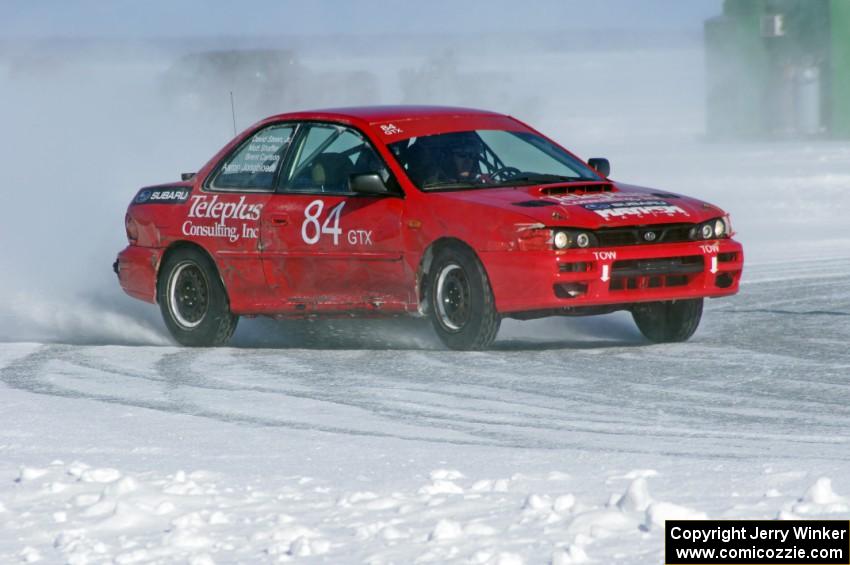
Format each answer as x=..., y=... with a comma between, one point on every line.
x=821, y=499
x=76, y=513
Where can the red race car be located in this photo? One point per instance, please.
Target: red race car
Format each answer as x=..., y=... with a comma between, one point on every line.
x=462, y=215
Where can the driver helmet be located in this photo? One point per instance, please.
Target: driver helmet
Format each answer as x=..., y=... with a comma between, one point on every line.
x=459, y=154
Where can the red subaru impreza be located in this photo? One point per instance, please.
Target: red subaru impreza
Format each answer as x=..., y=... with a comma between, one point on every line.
x=462, y=215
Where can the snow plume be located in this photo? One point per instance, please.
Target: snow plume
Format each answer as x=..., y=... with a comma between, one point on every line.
x=34, y=317
x=88, y=123
x=395, y=333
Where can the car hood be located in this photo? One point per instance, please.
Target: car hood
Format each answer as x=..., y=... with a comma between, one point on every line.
x=589, y=205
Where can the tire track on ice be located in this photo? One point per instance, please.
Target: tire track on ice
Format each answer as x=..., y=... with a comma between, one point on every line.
x=25, y=374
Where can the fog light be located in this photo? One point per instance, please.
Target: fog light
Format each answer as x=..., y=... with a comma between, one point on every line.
x=570, y=290
x=724, y=280
x=562, y=240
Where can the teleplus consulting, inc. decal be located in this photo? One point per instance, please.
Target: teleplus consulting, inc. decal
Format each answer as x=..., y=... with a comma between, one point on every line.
x=203, y=207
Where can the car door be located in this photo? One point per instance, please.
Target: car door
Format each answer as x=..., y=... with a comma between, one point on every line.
x=323, y=247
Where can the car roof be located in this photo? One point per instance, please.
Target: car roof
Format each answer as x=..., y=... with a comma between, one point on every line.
x=377, y=114
x=394, y=123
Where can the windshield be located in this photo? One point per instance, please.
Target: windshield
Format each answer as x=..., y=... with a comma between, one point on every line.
x=485, y=159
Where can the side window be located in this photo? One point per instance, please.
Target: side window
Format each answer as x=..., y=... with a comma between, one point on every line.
x=326, y=158
x=253, y=166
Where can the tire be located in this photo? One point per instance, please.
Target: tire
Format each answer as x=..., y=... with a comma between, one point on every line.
x=463, y=310
x=193, y=301
x=668, y=322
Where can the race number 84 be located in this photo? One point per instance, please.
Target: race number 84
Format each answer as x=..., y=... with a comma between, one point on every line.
x=312, y=230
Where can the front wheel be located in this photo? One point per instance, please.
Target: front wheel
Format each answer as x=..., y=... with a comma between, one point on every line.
x=193, y=301
x=463, y=310
x=668, y=322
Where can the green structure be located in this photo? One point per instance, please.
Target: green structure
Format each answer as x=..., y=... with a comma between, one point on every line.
x=840, y=67
x=779, y=68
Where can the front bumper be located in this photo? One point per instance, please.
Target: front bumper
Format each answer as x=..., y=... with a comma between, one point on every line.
x=524, y=281
x=136, y=268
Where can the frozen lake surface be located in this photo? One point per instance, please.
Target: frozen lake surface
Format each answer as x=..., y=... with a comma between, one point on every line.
x=545, y=448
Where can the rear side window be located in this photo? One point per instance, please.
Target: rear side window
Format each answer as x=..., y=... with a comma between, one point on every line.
x=255, y=164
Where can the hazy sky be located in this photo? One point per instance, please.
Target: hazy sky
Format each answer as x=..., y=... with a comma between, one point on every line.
x=136, y=18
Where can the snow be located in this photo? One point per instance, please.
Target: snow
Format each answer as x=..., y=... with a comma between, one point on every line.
x=820, y=499
x=365, y=441
x=521, y=456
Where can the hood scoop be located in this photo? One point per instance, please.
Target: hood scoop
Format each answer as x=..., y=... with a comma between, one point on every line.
x=577, y=188
x=535, y=203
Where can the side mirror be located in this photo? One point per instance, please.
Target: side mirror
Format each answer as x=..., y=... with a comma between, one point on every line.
x=602, y=166
x=187, y=176
x=367, y=183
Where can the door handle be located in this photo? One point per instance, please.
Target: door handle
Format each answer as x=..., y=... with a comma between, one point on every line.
x=280, y=219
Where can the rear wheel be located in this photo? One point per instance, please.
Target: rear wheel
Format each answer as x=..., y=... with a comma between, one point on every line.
x=463, y=310
x=668, y=322
x=193, y=301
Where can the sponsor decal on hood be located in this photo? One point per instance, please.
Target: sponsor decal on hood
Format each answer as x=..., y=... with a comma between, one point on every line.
x=622, y=205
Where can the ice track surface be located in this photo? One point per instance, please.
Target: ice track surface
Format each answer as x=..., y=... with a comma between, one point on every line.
x=766, y=374
x=742, y=421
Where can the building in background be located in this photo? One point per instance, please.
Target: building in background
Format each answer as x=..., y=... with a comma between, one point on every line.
x=779, y=68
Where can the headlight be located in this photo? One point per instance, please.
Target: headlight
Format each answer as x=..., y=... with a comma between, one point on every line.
x=561, y=240
x=567, y=238
x=719, y=228
x=712, y=229
x=583, y=240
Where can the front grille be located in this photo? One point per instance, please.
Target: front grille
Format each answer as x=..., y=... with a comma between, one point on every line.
x=637, y=274
x=580, y=267
x=666, y=266
x=644, y=235
x=658, y=281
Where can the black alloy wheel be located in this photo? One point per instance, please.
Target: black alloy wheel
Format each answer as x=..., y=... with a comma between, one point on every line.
x=461, y=302
x=193, y=300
